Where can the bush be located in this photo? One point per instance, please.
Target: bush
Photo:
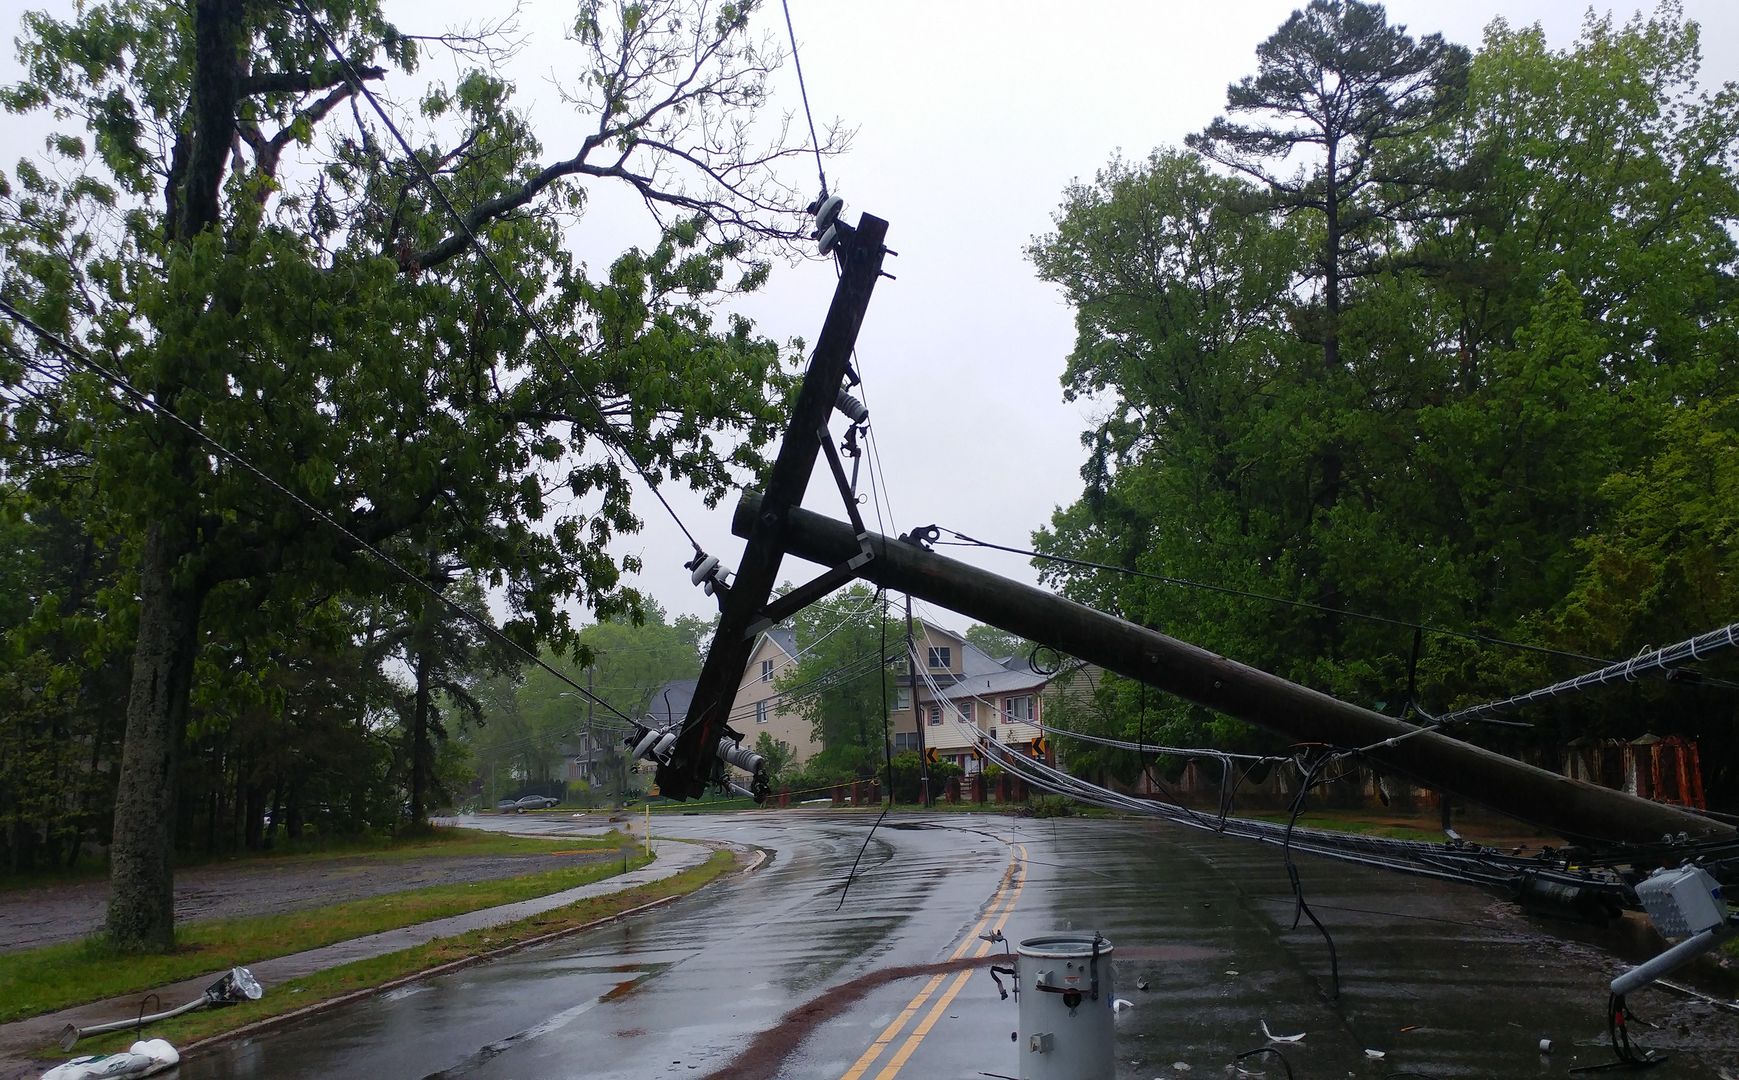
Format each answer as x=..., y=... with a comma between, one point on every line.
x=1051, y=806
x=906, y=777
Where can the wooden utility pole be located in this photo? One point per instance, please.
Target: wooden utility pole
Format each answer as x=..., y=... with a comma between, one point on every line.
x=694, y=758
x=1569, y=807
x=917, y=711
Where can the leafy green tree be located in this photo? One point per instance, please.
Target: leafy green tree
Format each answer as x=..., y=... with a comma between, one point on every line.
x=623, y=662
x=328, y=323
x=996, y=642
x=448, y=656
x=62, y=679
x=1523, y=368
x=840, y=683
x=779, y=755
x=1339, y=80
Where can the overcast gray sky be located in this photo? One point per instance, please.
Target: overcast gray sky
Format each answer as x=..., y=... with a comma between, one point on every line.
x=971, y=119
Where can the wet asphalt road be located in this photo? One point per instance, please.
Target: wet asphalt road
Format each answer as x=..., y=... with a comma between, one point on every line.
x=1444, y=981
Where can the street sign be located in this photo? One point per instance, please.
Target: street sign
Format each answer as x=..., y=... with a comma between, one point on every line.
x=932, y=756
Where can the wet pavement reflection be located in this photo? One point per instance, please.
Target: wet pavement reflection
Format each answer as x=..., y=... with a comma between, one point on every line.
x=1442, y=981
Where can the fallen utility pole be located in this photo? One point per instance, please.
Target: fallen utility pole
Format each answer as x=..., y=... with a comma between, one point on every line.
x=1571, y=808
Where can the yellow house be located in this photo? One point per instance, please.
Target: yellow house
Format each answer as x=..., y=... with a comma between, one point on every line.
x=959, y=689
x=760, y=707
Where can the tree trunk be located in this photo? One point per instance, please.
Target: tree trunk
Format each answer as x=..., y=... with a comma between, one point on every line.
x=141, y=878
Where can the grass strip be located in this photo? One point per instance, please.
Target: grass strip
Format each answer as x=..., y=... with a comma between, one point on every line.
x=1333, y=823
x=329, y=988
x=53, y=977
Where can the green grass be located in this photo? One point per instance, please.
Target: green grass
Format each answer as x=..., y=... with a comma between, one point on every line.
x=36, y=981
x=1335, y=823
x=376, y=971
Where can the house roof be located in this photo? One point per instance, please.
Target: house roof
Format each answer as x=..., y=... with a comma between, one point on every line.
x=785, y=639
x=1000, y=681
x=670, y=702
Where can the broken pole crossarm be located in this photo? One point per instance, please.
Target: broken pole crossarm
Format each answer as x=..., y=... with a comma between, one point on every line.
x=693, y=760
x=1570, y=807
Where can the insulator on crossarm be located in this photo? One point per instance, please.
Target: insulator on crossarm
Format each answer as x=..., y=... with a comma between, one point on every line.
x=647, y=741
x=827, y=212
x=854, y=410
x=702, y=569
x=734, y=753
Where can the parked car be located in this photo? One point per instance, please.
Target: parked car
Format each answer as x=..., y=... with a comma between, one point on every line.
x=507, y=806
x=535, y=802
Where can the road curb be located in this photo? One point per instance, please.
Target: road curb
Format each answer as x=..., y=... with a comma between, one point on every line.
x=440, y=969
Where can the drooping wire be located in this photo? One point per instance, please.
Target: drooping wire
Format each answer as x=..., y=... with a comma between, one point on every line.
x=887, y=749
x=1626, y=670
x=483, y=253
x=803, y=88
x=1300, y=905
x=145, y=401
x=1287, y=1065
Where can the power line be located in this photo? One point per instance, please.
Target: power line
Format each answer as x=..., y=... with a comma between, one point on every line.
x=1691, y=649
x=804, y=90
x=140, y=398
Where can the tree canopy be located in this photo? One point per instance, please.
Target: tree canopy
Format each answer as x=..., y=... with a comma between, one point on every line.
x=251, y=258
x=1526, y=417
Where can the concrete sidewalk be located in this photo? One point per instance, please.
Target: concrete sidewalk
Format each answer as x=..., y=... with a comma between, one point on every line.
x=20, y=1039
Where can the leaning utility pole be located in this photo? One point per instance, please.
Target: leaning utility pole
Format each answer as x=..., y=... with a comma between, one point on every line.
x=692, y=760
x=1570, y=807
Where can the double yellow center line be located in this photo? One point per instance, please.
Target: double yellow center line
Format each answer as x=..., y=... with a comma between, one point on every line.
x=1000, y=907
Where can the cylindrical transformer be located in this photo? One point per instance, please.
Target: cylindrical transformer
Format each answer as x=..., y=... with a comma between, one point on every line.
x=1066, y=1020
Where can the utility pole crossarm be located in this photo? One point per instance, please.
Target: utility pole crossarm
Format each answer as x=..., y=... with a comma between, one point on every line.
x=1570, y=807
x=693, y=760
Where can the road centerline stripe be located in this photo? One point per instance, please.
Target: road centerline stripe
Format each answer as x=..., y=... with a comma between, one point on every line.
x=1006, y=894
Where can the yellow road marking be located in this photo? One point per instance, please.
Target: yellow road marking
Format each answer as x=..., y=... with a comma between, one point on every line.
x=1015, y=877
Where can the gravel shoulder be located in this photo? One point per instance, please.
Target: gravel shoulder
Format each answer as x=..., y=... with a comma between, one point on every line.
x=56, y=913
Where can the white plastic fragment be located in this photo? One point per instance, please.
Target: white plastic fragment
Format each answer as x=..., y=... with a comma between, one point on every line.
x=1119, y=1004
x=1271, y=1037
x=1375, y=1055
x=143, y=1058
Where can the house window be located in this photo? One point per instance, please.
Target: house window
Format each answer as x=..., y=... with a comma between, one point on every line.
x=966, y=711
x=905, y=740
x=766, y=671
x=992, y=734
x=941, y=656
x=935, y=715
x=1018, y=709
x=760, y=712
x=902, y=700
